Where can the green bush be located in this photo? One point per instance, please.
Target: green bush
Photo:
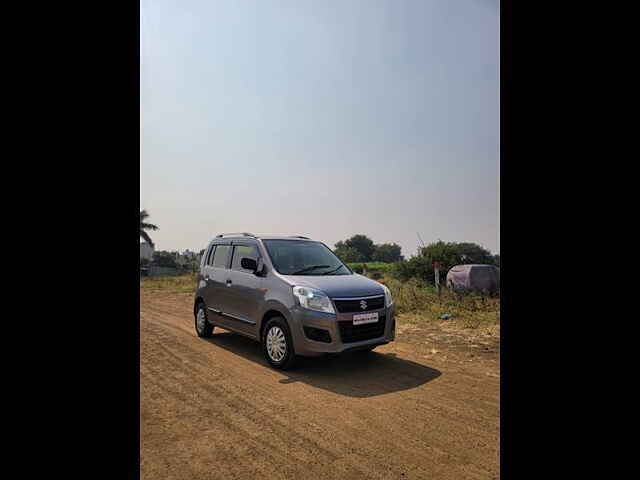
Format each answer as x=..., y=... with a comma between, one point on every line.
x=348, y=254
x=420, y=268
x=356, y=267
x=372, y=267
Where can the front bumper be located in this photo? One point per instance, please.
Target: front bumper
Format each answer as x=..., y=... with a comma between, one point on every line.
x=305, y=346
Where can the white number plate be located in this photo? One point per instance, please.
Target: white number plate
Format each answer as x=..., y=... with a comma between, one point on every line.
x=361, y=318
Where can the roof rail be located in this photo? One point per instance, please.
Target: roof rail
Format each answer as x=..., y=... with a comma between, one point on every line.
x=299, y=236
x=235, y=234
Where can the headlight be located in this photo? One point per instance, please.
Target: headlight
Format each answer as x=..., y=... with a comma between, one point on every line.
x=313, y=299
x=388, y=299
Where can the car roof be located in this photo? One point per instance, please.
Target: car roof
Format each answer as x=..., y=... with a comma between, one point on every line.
x=261, y=237
x=467, y=266
x=284, y=237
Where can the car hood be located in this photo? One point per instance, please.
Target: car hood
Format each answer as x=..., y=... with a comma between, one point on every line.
x=338, y=285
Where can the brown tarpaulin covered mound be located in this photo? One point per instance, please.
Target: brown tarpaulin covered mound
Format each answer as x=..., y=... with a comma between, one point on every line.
x=474, y=277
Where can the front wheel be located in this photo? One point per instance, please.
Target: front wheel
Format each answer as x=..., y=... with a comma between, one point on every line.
x=277, y=344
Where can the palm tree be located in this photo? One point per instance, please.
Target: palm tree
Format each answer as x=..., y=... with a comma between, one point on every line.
x=146, y=226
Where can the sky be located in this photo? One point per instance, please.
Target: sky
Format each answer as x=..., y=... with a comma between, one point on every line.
x=323, y=118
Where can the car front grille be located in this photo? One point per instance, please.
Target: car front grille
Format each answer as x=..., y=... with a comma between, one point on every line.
x=352, y=306
x=356, y=333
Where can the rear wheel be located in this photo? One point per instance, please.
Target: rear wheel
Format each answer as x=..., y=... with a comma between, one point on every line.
x=277, y=344
x=203, y=327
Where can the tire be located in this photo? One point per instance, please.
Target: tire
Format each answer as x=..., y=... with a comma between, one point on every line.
x=276, y=332
x=203, y=329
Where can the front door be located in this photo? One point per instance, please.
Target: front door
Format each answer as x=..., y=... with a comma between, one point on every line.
x=245, y=290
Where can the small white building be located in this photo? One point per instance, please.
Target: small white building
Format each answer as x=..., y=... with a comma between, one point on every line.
x=146, y=251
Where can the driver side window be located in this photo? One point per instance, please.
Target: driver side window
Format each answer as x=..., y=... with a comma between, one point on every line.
x=240, y=252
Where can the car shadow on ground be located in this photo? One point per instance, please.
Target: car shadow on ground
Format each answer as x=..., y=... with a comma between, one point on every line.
x=351, y=374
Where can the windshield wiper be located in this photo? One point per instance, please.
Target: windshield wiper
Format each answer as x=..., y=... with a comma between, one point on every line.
x=331, y=271
x=308, y=269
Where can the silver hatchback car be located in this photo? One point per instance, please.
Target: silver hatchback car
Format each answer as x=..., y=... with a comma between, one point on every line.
x=293, y=295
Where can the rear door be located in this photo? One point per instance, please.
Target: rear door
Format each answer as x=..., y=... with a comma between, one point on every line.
x=204, y=279
x=244, y=288
x=216, y=276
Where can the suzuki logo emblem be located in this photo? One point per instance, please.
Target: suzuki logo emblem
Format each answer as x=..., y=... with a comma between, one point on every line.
x=363, y=304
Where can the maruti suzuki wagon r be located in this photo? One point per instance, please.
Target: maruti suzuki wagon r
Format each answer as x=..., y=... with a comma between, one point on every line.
x=293, y=295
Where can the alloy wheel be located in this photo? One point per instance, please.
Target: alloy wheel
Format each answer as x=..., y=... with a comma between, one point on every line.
x=276, y=344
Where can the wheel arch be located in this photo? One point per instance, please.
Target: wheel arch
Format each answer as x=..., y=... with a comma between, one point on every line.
x=268, y=315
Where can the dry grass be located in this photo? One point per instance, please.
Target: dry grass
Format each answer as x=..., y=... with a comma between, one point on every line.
x=418, y=303
x=175, y=284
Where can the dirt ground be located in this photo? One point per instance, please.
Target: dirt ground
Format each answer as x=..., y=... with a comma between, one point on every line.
x=426, y=406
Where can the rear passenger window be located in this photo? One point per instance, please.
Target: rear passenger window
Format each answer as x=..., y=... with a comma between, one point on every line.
x=220, y=256
x=240, y=252
x=209, y=259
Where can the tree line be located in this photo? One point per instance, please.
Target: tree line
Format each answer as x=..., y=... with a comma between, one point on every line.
x=360, y=248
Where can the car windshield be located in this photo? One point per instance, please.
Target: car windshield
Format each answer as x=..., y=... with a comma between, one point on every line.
x=297, y=257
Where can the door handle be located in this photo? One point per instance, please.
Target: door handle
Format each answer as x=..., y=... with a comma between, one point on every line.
x=228, y=283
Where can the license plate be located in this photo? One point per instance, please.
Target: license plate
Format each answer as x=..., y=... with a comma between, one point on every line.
x=361, y=318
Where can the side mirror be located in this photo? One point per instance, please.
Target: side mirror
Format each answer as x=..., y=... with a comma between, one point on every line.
x=249, y=264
